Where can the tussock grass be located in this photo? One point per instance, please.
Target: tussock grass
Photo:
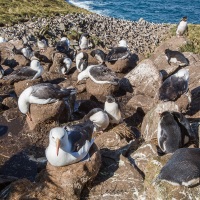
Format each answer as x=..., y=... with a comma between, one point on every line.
x=194, y=38
x=13, y=11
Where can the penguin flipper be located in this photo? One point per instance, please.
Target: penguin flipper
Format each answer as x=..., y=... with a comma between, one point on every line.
x=168, y=60
x=180, y=118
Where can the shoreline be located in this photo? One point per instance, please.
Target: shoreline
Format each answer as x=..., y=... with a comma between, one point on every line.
x=105, y=9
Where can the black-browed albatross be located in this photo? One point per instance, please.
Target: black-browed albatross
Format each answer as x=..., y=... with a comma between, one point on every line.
x=99, y=74
x=42, y=93
x=68, y=147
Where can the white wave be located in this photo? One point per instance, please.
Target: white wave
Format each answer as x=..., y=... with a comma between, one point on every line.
x=88, y=6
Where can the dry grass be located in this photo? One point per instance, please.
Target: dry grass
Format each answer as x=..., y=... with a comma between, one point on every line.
x=13, y=11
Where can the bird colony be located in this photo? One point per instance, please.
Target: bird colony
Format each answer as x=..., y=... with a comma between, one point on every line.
x=94, y=111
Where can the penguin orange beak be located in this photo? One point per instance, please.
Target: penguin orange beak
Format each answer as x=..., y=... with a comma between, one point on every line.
x=57, y=146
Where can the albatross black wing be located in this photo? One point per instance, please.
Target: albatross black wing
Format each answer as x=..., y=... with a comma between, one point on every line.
x=78, y=138
x=117, y=53
x=103, y=73
x=48, y=90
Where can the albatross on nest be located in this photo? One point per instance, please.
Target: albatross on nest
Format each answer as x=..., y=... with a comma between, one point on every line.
x=118, y=53
x=68, y=147
x=99, y=74
x=34, y=71
x=42, y=93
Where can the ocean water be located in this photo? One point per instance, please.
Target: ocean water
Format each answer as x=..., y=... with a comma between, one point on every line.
x=157, y=11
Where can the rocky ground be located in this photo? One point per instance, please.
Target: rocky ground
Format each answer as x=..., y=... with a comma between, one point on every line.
x=125, y=158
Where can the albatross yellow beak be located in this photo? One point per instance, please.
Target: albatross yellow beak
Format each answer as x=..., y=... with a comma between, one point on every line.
x=57, y=146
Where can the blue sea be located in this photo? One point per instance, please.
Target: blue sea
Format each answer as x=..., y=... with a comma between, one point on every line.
x=158, y=11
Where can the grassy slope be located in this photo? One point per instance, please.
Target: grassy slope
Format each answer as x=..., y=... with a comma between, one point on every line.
x=193, y=36
x=13, y=11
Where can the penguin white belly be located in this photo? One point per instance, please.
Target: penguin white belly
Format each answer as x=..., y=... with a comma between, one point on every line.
x=114, y=112
x=173, y=60
x=84, y=43
x=181, y=28
x=100, y=119
x=98, y=57
x=63, y=70
x=81, y=67
x=159, y=136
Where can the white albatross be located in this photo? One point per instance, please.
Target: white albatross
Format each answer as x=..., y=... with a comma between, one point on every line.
x=67, y=147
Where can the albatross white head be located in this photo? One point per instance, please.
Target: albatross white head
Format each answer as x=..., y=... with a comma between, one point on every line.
x=58, y=138
x=82, y=76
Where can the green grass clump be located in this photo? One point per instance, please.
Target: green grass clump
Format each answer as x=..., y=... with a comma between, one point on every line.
x=13, y=11
x=73, y=35
x=193, y=37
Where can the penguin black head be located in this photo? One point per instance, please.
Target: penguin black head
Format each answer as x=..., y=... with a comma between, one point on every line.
x=184, y=18
x=167, y=51
x=110, y=99
x=166, y=116
x=163, y=114
x=86, y=35
x=93, y=53
x=41, y=37
x=85, y=56
x=37, y=55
